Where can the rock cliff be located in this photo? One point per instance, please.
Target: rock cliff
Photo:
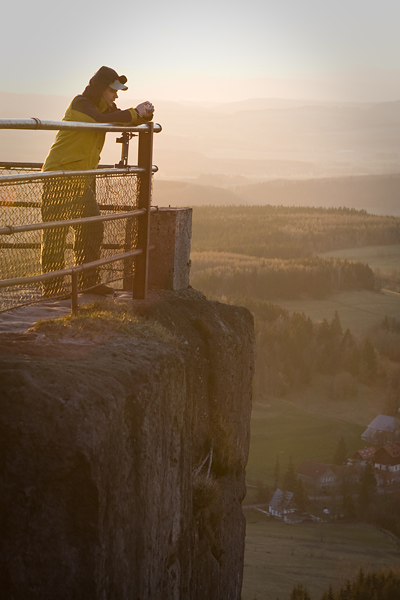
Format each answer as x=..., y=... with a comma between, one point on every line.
x=123, y=453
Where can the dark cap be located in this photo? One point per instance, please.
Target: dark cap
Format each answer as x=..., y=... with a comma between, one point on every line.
x=106, y=77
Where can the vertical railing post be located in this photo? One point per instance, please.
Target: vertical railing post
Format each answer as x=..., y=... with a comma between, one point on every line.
x=145, y=160
x=74, y=295
x=128, y=264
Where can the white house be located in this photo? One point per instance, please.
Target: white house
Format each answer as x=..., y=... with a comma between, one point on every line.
x=281, y=504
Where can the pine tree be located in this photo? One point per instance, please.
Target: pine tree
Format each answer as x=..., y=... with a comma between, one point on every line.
x=340, y=456
x=350, y=354
x=289, y=481
x=336, y=326
x=329, y=594
x=369, y=361
x=299, y=593
x=325, y=348
x=349, y=507
x=368, y=486
x=277, y=472
x=360, y=577
x=299, y=494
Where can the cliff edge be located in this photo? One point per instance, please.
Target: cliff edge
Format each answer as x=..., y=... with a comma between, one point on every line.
x=123, y=446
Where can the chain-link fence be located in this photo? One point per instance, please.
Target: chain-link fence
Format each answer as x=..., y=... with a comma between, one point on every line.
x=29, y=253
x=52, y=222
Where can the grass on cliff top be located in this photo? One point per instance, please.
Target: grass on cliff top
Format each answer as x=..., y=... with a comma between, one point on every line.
x=97, y=319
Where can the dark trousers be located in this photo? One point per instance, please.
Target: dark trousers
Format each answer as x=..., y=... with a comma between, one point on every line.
x=69, y=199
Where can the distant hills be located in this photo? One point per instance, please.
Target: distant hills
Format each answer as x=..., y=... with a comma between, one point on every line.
x=378, y=194
x=245, y=152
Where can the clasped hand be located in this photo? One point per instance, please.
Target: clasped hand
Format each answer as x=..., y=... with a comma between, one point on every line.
x=145, y=110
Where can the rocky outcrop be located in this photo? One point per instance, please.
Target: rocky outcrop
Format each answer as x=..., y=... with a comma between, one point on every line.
x=123, y=456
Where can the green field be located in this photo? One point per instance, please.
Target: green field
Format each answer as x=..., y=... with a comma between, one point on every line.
x=384, y=258
x=360, y=410
x=279, y=556
x=291, y=430
x=358, y=311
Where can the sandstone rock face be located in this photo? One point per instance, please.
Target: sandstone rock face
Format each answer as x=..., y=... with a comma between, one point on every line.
x=123, y=461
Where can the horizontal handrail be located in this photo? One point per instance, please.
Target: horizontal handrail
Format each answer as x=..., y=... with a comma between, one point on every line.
x=49, y=174
x=36, y=166
x=11, y=229
x=38, y=124
x=70, y=271
x=73, y=271
x=21, y=165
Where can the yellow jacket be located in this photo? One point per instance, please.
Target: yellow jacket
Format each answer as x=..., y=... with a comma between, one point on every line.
x=80, y=150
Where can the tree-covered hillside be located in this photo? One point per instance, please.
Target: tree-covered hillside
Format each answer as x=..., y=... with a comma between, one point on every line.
x=219, y=274
x=288, y=232
x=255, y=255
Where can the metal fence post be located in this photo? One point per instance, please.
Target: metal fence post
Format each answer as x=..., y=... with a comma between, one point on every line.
x=145, y=160
x=74, y=296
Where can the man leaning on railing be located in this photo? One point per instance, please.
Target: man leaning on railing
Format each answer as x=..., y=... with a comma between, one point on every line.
x=75, y=150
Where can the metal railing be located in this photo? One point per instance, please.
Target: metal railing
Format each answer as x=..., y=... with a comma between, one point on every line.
x=123, y=192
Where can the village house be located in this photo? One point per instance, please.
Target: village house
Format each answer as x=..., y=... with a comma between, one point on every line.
x=362, y=457
x=387, y=464
x=281, y=504
x=321, y=478
x=382, y=430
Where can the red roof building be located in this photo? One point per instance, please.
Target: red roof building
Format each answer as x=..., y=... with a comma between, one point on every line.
x=317, y=475
x=364, y=456
x=387, y=463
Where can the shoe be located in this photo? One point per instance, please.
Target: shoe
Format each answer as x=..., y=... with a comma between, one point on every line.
x=100, y=289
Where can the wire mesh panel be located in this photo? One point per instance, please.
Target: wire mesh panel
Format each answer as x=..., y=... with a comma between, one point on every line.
x=118, y=194
x=61, y=198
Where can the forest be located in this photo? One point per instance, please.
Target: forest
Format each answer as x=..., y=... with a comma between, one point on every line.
x=291, y=349
x=257, y=256
x=288, y=232
x=269, y=252
x=267, y=279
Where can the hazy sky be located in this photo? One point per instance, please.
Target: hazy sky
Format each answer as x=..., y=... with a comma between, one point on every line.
x=209, y=50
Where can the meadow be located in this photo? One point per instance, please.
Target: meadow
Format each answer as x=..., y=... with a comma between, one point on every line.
x=385, y=258
x=359, y=311
x=279, y=556
x=285, y=430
